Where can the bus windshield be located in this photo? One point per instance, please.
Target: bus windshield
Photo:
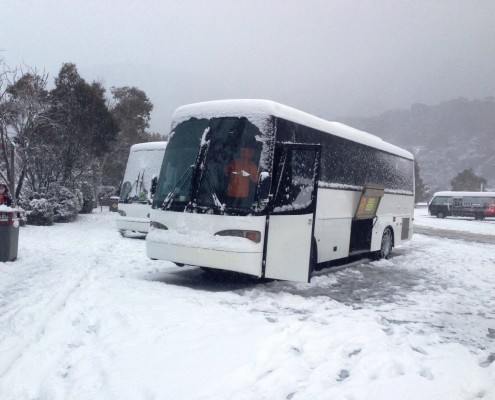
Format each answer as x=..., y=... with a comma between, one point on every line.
x=210, y=165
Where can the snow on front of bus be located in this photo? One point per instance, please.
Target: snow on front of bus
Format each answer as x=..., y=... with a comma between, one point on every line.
x=145, y=160
x=203, y=137
x=202, y=240
x=254, y=110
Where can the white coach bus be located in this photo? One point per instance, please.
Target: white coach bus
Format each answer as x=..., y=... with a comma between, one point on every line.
x=260, y=188
x=141, y=174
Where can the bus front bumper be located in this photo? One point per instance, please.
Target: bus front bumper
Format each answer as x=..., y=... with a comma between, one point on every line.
x=202, y=252
x=133, y=224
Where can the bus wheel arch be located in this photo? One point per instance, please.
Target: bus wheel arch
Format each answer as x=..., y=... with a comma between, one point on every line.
x=386, y=244
x=440, y=214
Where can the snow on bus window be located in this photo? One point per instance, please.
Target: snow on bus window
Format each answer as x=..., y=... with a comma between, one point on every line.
x=295, y=180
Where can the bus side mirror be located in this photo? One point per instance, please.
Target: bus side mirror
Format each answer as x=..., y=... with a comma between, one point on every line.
x=154, y=181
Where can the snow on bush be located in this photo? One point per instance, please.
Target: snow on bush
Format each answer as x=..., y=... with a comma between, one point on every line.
x=65, y=203
x=40, y=212
x=57, y=204
x=88, y=199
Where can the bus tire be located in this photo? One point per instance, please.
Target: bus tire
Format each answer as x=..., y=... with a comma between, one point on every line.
x=440, y=214
x=386, y=245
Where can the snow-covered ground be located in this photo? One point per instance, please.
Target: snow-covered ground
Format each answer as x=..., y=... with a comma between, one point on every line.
x=85, y=315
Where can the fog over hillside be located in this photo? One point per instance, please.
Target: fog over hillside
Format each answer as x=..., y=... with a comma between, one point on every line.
x=445, y=138
x=327, y=58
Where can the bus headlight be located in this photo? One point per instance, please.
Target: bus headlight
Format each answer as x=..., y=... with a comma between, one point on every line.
x=254, y=236
x=157, y=225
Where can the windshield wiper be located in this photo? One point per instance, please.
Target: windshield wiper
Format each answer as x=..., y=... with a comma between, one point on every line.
x=170, y=197
x=213, y=192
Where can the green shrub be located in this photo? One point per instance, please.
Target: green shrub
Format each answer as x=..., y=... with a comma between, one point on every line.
x=57, y=204
x=88, y=199
x=40, y=212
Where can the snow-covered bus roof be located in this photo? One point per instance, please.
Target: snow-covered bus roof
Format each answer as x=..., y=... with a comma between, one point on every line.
x=144, y=157
x=464, y=194
x=149, y=146
x=257, y=110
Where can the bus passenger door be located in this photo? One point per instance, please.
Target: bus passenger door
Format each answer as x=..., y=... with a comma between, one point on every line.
x=290, y=225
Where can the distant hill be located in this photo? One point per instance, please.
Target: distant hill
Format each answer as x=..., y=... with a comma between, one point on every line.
x=445, y=139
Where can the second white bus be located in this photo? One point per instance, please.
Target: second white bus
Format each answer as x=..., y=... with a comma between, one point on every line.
x=141, y=173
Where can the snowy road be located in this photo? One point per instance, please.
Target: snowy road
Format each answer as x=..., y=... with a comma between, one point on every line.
x=447, y=233
x=85, y=315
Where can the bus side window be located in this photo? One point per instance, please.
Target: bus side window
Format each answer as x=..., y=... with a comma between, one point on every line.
x=295, y=185
x=302, y=182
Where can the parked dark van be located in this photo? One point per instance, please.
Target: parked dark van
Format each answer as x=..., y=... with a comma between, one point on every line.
x=477, y=205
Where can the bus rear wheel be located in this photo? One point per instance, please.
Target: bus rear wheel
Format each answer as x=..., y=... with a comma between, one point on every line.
x=440, y=214
x=386, y=245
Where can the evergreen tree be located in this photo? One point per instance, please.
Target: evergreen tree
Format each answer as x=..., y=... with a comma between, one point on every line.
x=468, y=181
x=420, y=189
x=132, y=111
x=85, y=128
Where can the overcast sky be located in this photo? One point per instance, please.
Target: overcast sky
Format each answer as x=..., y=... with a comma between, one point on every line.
x=327, y=57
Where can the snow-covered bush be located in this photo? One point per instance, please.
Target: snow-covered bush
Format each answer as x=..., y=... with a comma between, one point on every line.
x=57, y=204
x=40, y=212
x=88, y=199
x=65, y=203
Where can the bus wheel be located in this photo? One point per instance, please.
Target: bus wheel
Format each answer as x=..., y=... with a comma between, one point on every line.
x=386, y=245
x=440, y=214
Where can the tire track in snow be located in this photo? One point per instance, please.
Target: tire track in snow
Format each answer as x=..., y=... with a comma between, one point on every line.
x=451, y=234
x=50, y=307
x=417, y=291
x=40, y=294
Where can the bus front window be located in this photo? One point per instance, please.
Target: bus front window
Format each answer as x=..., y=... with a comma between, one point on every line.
x=211, y=165
x=180, y=156
x=230, y=171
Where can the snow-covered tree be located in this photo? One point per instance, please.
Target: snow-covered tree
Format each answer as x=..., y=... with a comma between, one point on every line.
x=85, y=127
x=467, y=180
x=6, y=144
x=420, y=189
x=132, y=111
x=29, y=105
